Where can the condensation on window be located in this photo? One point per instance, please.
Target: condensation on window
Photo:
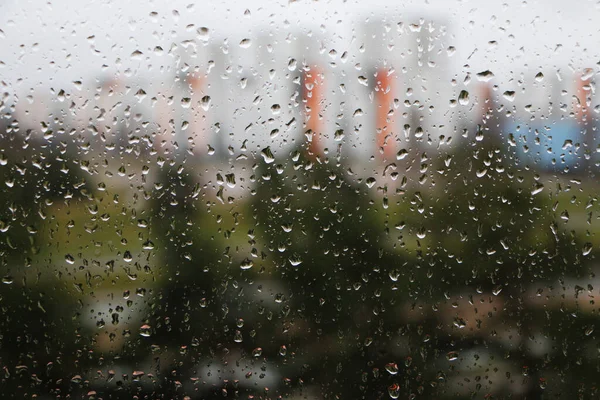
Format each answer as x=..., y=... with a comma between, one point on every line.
x=299, y=199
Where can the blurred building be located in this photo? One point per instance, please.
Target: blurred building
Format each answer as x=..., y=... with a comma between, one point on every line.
x=387, y=96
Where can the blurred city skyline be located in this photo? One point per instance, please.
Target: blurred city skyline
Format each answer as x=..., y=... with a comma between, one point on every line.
x=263, y=85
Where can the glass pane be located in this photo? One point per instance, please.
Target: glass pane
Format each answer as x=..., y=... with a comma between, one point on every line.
x=299, y=199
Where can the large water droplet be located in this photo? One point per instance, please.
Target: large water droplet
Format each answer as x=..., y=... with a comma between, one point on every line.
x=245, y=43
x=485, y=76
x=509, y=95
x=145, y=330
x=463, y=98
x=587, y=248
x=539, y=77
x=394, y=391
x=295, y=261
x=391, y=368
x=587, y=74
x=267, y=155
x=246, y=264
x=137, y=55
x=292, y=64
x=205, y=103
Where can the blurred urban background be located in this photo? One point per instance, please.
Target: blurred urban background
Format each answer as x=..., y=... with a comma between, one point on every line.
x=299, y=200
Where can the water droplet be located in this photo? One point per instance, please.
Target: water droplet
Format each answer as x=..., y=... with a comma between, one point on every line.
x=292, y=64
x=401, y=154
x=237, y=337
x=391, y=368
x=230, y=179
x=394, y=391
x=283, y=350
x=205, y=103
x=61, y=96
x=539, y=77
x=537, y=188
x=245, y=43
x=246, y=264
x=137, y=374
x=587, y=248
x=587, y=74
x=295, y=261
x=485, y=76
x=203, y=33
x=267, y=155
x=509, y=95
x=137, y=55
x=140, y=95
x=463, y=98
x=145, y=330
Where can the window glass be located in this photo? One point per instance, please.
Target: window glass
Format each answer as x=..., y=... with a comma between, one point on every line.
x=299, y=199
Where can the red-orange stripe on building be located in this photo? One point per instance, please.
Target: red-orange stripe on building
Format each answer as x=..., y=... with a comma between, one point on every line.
x=384, y=100
x=581, y=108
x=196, y=84
x=312, y=97
x=486, y=102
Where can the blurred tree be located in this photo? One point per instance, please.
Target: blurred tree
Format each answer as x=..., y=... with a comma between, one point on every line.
x=324, y=241
x=34, y=173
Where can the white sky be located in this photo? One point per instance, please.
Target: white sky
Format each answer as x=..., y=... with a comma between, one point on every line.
x=46, y=42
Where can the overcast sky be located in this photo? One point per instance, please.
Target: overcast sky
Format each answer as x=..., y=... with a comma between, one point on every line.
x=53, y=42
